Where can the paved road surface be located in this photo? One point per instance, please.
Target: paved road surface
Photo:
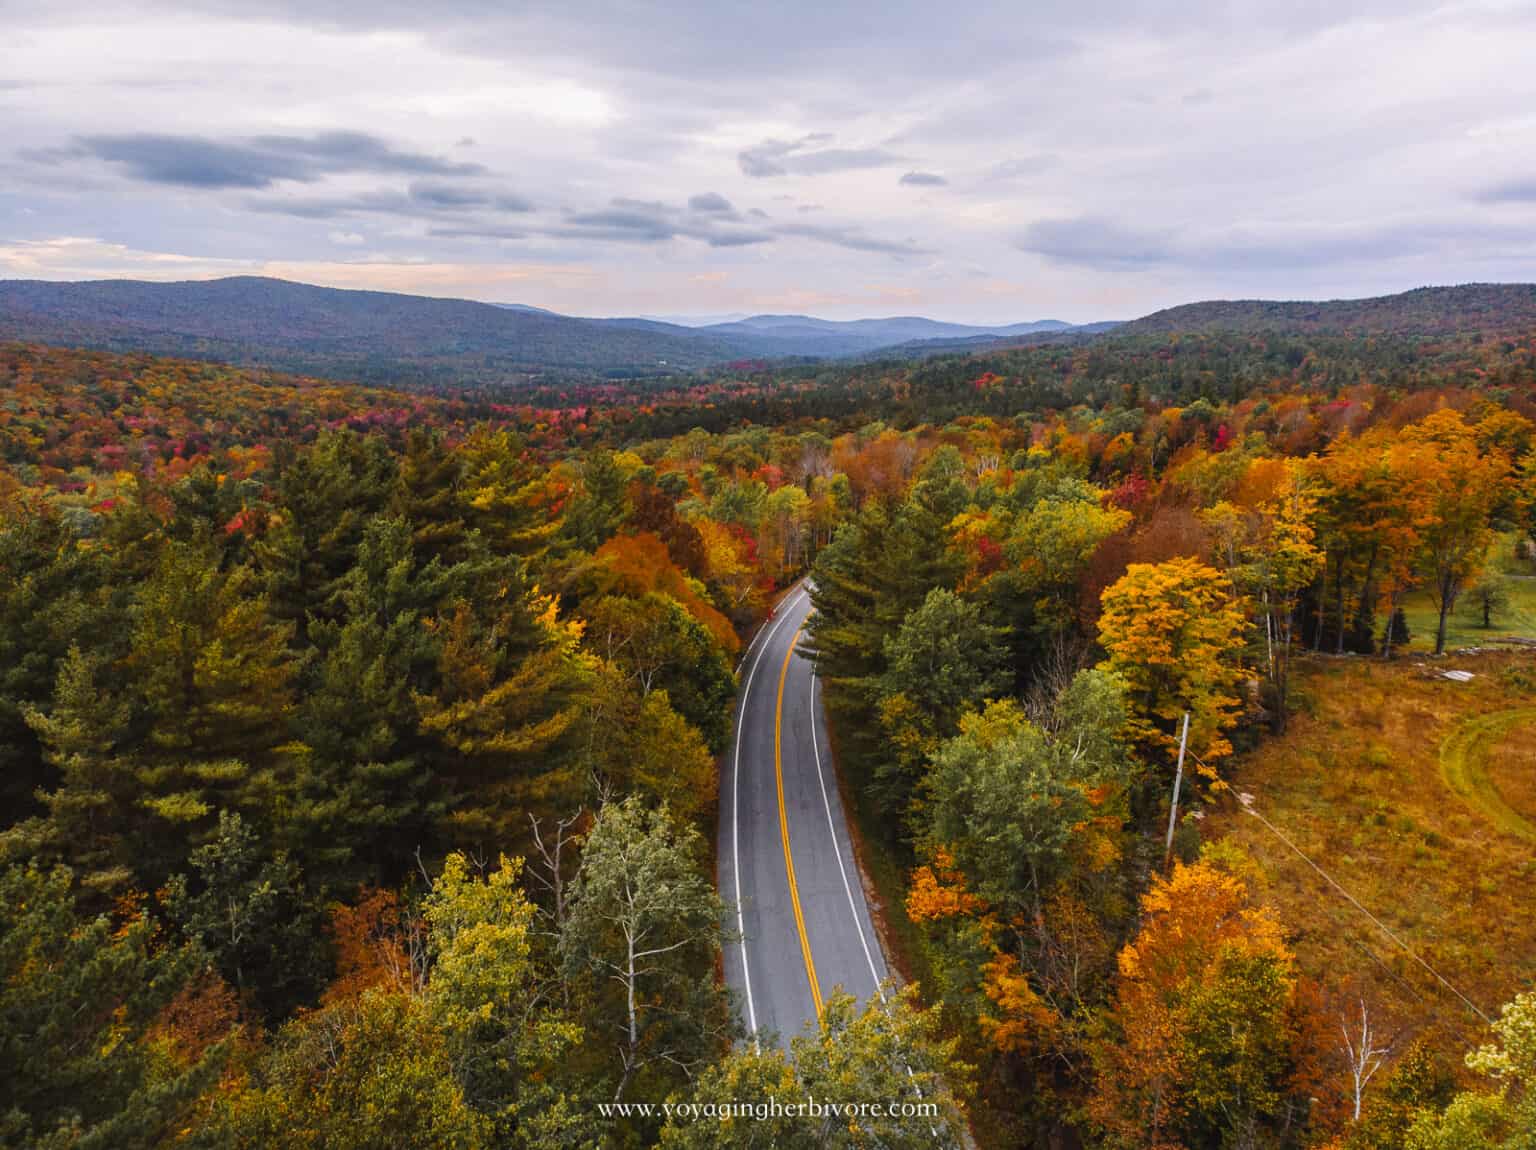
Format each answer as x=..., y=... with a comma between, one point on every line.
x=786, y=862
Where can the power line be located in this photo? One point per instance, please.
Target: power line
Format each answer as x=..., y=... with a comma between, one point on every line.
x=1178, y=781
x=1247, y=805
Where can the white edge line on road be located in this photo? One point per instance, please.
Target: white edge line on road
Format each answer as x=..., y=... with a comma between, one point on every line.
x=741, y=716
x=838, y=847
x=848, y=887
x=852, y=906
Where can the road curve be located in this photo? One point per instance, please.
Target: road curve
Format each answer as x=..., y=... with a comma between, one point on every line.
x=786, y=862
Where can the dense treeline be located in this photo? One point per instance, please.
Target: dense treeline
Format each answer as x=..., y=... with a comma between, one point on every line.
x=1114, y=370
x=358, y=763
x=1009, y=646
x=358, y=747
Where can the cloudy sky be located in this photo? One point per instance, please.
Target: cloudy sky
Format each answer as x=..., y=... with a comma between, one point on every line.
x=1077, y=159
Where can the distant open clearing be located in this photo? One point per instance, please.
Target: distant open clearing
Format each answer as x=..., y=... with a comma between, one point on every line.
x=1483, y=764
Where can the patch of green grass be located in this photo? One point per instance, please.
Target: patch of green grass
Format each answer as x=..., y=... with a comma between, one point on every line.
x=1517, y=619
x=1464, y=764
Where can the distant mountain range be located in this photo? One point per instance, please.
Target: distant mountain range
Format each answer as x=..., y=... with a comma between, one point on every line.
x=804, y=335
x=383, y=337
x=955, y=345
x=404, y=340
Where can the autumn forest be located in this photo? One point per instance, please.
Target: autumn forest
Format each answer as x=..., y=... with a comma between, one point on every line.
x=355, y=740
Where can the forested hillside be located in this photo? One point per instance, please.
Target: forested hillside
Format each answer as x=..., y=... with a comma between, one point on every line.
x=419, y=341
x=360, y=745
x=423, y=343
x=1432, y=311
x=371, y=337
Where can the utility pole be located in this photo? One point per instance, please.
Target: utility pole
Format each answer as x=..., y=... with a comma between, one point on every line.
x=1178, y=781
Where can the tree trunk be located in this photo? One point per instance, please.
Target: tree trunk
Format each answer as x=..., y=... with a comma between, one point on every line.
x=1283, y=669
x=1447, y=602
x=1338, y=643
x=1322, y=595
x=1367, y=591
x=1269, y=634
x=634, y=1024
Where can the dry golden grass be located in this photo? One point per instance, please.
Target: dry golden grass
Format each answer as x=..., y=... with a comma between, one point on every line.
x=1357, y=783
x=1512, y=771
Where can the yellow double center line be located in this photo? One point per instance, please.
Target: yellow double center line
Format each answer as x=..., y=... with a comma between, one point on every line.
x=789, y=858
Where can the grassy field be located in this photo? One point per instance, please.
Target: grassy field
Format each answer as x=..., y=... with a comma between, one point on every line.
x=1466, y=758
x=1517, y=579
x=1511, y=770
x=1418, y=796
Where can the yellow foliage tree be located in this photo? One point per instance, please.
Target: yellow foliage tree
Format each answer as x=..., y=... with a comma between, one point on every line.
x=1172, y=630
x=1467, y=483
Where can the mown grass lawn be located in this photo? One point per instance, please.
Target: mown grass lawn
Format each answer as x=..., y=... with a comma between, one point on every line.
x=1516, y=619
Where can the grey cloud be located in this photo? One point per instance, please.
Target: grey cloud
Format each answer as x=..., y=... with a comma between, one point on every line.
x=51, y=157
x=639, y=205
x=643, y=221
x=622, y=224
x=1301, y=248
x=259, y=161
x=1091, y=242
x=765, y=159
x=459, y=212
x=1183, y=186
x=477, y=233
x=712, y=202
x=852, y=238
x=1510, y=192
x=796, y=38
x=197, y=163
x=790, y=157
x=419, y=200
x=1019, y=167
x=840, y=160
x=462, y=197
x=330, y=207
x=359, y=151
x=448, y=196
x=738, y=239
x=1106, y=245
x=923, y=180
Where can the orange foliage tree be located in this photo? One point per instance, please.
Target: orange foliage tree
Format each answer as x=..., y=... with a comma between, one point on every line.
x=1204, y=1042
x=640, y=564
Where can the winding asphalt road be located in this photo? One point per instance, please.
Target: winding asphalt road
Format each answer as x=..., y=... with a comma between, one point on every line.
x=786, y=861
